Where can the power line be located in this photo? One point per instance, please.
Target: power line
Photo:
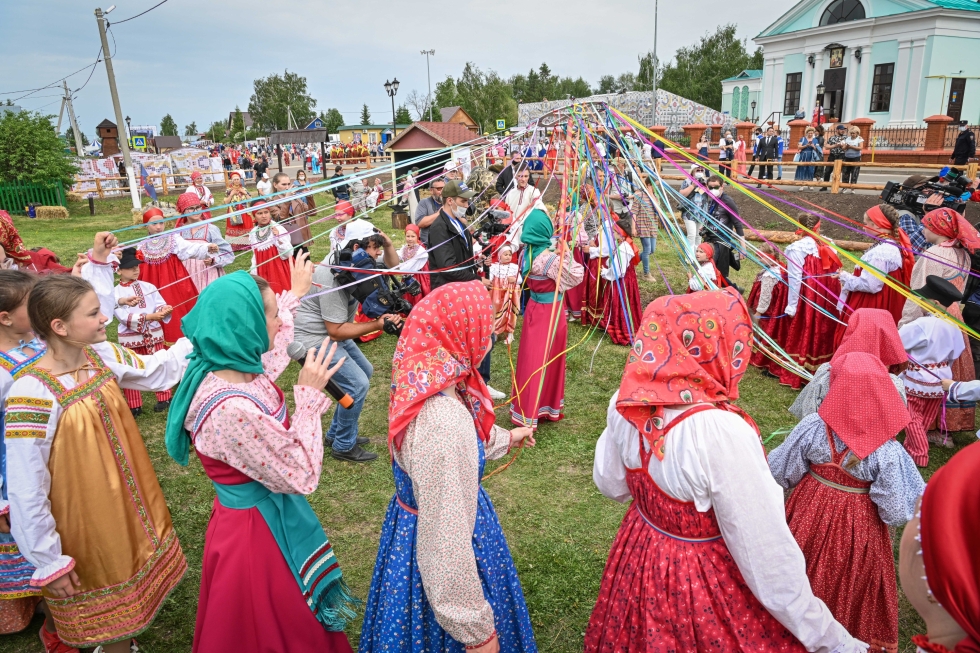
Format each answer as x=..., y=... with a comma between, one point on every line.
x=98, y=58
x=120, y=22
x=31, y=91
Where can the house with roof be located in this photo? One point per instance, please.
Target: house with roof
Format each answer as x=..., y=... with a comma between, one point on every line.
x=423, y=137
x=367, y=134
x=246, y=118
x=459, y=115
x=894, y=61
x=740, y=95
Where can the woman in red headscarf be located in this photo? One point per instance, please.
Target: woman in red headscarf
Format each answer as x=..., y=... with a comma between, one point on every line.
x=696, y=566
x=444, y=574
x=622, y=307
x=938, y=559
x=871, y=331
x=806, y=332
x=237, y=227
x=952, y=240
x=203, y=193
x=414, y=258
x=892, y=256
x=852, y=481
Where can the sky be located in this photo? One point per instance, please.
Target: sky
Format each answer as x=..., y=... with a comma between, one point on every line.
x=197, y=59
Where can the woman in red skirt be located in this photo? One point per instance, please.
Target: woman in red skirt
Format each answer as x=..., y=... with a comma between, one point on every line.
x=703, y=560
x=892, y=256
x=271, y=248
x=806, y=334
x=622, y=307
x=767, y=301
x=852, y=481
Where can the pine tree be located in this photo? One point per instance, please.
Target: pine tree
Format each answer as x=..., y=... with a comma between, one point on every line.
x=403, y=116
x=365, y=115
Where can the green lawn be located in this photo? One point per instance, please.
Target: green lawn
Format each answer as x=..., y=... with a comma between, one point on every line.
x=558, y=526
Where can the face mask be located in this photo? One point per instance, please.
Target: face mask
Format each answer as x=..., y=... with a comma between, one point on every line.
x=962, y=128
x=459, y=212
x=698, y=175
x=716, y=192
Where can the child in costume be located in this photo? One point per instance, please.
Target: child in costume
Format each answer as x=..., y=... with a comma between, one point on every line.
x=413, y=258
x=622, y=308
x=86, y=508
x=204, y=271
x=163, y=266
x=852, y=480
x=271, y=248
x=505, y=292
x=140, y=326
x=933, y=344
x=766, y=282
x=707, y=273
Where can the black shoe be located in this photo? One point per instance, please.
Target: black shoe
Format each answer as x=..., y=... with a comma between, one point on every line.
x=359, y=441
x=161, y=407
x=355, y=455
x=823, y=190
x=779, y=178
x=759, y=186
x=136, y=411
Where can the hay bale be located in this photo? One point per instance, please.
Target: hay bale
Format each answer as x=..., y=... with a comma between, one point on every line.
x=52, y=212
x=74, y=197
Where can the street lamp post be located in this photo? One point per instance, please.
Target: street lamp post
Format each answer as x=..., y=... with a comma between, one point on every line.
x=428, y=74
x=753, y=105
x=391, y=88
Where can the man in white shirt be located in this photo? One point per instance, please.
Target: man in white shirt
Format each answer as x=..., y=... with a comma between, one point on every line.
x=522, y=197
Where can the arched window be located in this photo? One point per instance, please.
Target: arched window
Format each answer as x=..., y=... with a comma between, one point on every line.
x=744, y=110
x=736, y=101
x=841, y=11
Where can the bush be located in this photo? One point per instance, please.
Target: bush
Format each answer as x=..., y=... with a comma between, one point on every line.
x=31, y=151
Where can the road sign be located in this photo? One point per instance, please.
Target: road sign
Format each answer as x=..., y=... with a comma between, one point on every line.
x=138, y=142
x=501, y=124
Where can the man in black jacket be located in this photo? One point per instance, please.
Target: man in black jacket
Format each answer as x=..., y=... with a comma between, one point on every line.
x=450, y=242
x=965, y=147
x=505, y=180
x=725, y=229
x=767, y=151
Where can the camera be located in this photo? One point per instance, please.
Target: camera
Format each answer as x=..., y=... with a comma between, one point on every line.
x=951, y=183
x=378, y=293
x=493, y=224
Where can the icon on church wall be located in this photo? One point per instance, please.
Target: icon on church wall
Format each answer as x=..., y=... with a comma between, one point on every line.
x=836, y=57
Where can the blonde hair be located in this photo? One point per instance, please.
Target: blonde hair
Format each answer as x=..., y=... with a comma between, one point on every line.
x=853, y=130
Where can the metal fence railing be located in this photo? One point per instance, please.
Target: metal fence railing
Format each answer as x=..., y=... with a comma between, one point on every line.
x=952, y=131
x=16, y=195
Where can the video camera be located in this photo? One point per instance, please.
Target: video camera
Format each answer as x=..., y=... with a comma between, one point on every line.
x=950, y=182
x=493, y=223
x=379, y=294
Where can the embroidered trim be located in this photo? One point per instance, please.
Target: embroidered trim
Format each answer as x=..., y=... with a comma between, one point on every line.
x=156, y=250
x=67, y=397
x=41, y=582
x=27, y=417
x=209, y=405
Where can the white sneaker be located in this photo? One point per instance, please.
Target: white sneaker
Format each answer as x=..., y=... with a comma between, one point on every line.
x=496, y=395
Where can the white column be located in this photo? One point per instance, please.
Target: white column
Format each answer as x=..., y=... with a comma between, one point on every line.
x=915, y=83
x=805, y=83
x=863, y=107
x=778, y=89
x=851, y=85
x=765, y=93
x=900, y=84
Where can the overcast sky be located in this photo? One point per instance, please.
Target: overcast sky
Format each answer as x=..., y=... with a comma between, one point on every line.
x=197, y=59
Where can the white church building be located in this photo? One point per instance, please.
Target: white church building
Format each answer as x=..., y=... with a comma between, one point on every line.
x=894, y=61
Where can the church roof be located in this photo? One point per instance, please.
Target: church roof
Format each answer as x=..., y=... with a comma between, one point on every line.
x=806, y=14
x=745, y=74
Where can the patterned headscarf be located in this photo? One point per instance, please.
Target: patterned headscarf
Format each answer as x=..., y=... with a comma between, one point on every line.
x=689, y=349
x=872, y=331
x=904, y=243
x=442, y=344
x=950, y=224
x=187, y=201
x=862, y=405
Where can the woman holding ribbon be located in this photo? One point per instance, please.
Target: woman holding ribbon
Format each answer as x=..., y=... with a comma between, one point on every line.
x=444, y=580
x=952, y=241
x=695, y=566
x=238, y=226
x=269, y=578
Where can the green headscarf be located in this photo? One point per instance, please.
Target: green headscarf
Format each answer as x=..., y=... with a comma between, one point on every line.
x=227, y=329
x=536, y=234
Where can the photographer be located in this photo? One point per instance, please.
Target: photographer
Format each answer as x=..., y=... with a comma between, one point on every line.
x=332, y=314
x=722, y=231
x=450, y=242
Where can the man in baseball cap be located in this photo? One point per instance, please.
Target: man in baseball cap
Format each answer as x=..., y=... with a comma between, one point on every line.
x=450, y=242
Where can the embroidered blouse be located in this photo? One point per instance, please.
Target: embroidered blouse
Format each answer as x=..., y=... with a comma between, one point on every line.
x=156, y=250
x=768, y=279
x=885, y=257
x=796, y=254
x=932, y=345
x=210, y=234
x=10, y=362
x=441, y=456
x=563, y=270
x=134, y=329
x=701, y=279
x=277, y=235
x=412, y=261
x=616, y=265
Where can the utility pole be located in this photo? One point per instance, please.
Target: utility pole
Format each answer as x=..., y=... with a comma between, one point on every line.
x=134, y=190
x=428, y=74
x=656, y=6
x=74, y=123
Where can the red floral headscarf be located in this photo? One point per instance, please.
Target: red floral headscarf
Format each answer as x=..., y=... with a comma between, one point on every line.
x=689, y=349
x=904, y=243
x=950, y=224
x=443, y=341
x=872, y=331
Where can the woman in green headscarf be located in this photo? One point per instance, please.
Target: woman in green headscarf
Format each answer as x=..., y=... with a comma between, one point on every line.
x=549, y=270
x=269, y=578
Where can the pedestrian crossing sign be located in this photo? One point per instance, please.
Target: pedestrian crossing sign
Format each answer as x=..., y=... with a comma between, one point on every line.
x=501, y=124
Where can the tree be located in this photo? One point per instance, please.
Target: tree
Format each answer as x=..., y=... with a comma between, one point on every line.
x=419, y=104
x=31, y=151
x=332, y=120
x=697, y=70
x=402, y=116
x=610, y=84
x=237, y=126
x=274, y=94
x=541, y=84
x=216, y=132
x=484, y=95
x=70, y=137
x=648, y=66
x=365, y=115
x=191, y=129
x=168, y=126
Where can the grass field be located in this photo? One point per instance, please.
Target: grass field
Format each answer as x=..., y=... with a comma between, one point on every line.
x=558, y=526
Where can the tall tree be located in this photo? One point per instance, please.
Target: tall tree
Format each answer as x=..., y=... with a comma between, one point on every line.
x=484, y=95
x=274, y=94
x=31, y=151
x=402, y=115
x=419, y=104
x=238, y=126
x=624, y=82
x=168, y=126
x=216, y=132
x=644, y=78
x=70, y=137
x=542, y=84
x=365, y=115
x=191, y=129
x=697, y=70
x=332, y=120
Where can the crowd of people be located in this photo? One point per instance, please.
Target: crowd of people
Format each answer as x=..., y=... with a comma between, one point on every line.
x=708, y=557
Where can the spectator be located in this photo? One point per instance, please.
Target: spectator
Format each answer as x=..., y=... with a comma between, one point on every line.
x=766, y=151
x=358, y=191
x=965, y=147
x=691, y=215
x=121, y=169
x=246, y=163
x=836, y=145
x=261, y=167
x=703, y=145
x=332, y=314
x=620, y=189
x=428, y=210
x=756, y=137
x=726, y=152
x=226, y=159
x=505, y=180
x=853, y=145
x=781, y=146
x=721, y=231
x=451, y=245
x=522, y=197
x=340, y=189
x=264, y=187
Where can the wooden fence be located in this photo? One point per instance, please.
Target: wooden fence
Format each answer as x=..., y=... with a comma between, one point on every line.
x=16, y=195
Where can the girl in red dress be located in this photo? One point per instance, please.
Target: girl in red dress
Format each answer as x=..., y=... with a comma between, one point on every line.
x=767, y=302
x=622, y=307
x=703, y=560
x=162, y=267
x=271, y=248
x=806, y=333
x=852, y=481
x=892, y=256
x=237, y=227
